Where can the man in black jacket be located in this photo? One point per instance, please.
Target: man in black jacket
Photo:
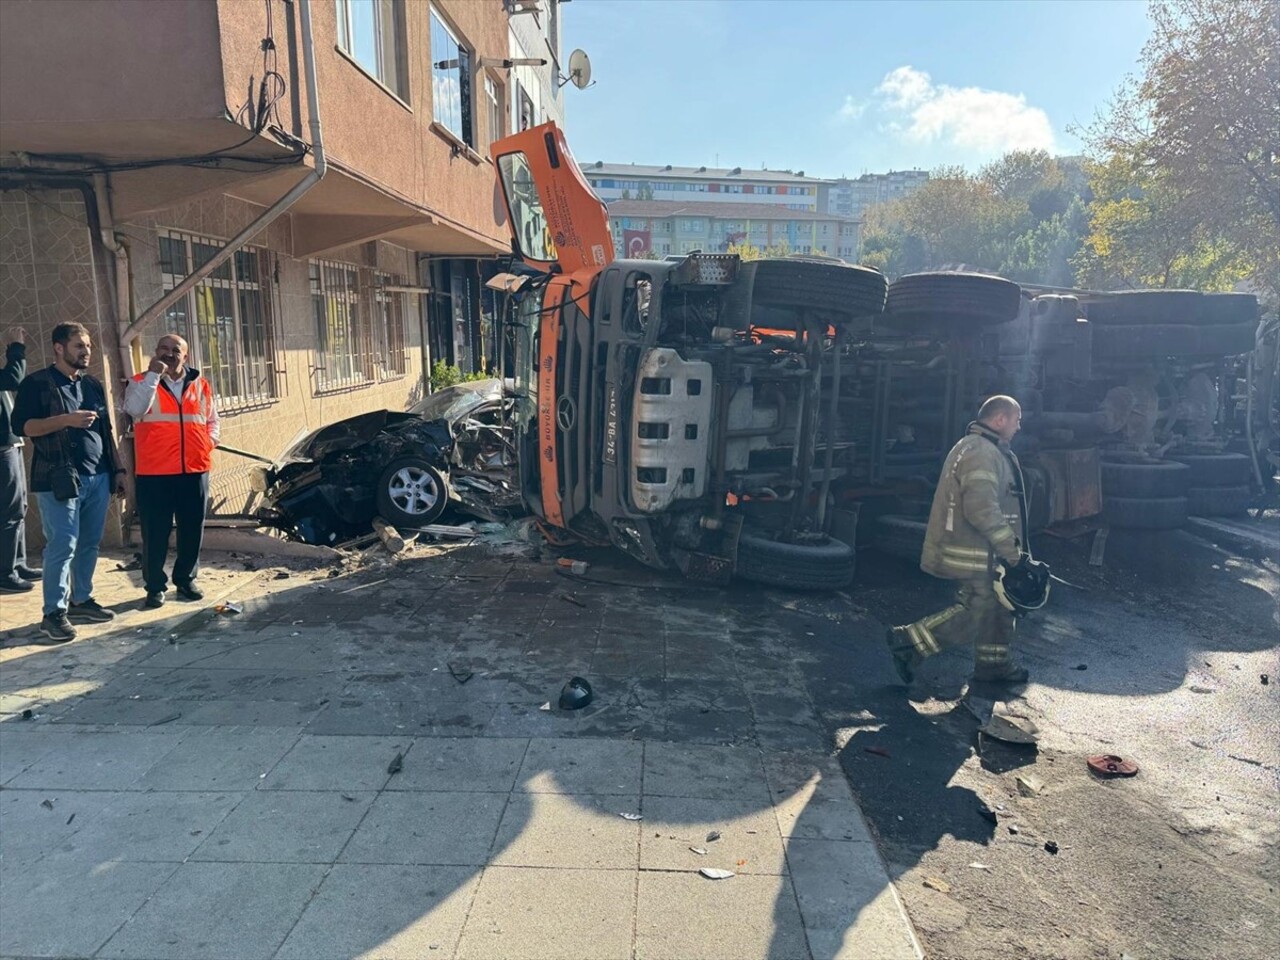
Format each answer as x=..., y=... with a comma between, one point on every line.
x=15, y=575
x=73, y=474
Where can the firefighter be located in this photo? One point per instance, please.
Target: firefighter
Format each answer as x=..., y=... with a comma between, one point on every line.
x=975, y=530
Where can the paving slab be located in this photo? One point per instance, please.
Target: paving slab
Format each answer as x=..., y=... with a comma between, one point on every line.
x=99, y=761
x=256, y=713
x=156, y=826
x=391, y=912
x=69, y=908
x=556, y=830
x=850, y=908
x=285, y=826
x=336, y=763
x=686, y=915
x=538, y=914
x=481, y=764
x=216, y=911
x=699, y=770
x=20, y=748
x=220, y=758
x=428, y=828
x=127, y=712
x=346, y=717
x=582, y=766
x=749, y=841
x=30, y=830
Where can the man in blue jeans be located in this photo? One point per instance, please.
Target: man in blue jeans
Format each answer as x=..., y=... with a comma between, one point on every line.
x=63, y=410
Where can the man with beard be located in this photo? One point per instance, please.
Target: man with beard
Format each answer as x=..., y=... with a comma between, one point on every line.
x=76, y=467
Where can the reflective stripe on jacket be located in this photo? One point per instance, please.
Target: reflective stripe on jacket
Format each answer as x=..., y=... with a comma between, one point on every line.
x=976, y=518
x=171, y=437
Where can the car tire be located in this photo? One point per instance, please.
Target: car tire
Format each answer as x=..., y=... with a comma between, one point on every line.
x=1218, y=501
x=1229, y=309
x=1162, y=478
x=1153, y=341
x=900, y=537
x=1227, y=339
x=1144, y=307
x=411, y=493
x=1216, y=469
x=1145, y=513
x=840, y=288
x=972, y=299
x=826, y=566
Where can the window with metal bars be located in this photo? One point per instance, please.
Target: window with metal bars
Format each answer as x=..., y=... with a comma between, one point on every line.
x=361, y=338
x=390, y=312
x=228, y=320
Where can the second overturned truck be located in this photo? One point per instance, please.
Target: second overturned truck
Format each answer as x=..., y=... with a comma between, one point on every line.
x=684, y=411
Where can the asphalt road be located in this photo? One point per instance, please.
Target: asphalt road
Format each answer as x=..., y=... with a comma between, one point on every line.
x=1159, y=658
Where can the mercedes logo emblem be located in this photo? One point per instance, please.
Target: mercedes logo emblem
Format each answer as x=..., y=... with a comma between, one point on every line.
x=566, y=413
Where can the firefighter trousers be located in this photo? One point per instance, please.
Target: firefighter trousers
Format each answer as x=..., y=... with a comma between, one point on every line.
x=976, y=618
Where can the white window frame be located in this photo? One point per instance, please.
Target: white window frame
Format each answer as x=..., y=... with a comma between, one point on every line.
x=462, y=126
x=388, y=69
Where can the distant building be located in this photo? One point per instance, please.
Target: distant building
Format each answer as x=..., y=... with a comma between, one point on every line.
x=630, y=181
x=851, y=197
x=663, y=227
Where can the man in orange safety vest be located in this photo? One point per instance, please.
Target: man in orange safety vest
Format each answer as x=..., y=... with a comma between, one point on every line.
x=175, y=431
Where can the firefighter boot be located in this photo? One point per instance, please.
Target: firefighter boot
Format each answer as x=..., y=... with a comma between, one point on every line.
x=905, y=657
x=994, y=666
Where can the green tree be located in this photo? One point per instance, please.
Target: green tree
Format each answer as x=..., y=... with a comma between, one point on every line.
x=749, y=251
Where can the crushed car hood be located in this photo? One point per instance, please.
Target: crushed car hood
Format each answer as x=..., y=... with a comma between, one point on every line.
x=345, y=435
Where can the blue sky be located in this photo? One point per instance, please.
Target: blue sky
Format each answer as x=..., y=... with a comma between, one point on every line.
x=835, y=87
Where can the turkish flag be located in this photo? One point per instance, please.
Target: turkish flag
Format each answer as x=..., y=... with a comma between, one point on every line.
x=636, y=243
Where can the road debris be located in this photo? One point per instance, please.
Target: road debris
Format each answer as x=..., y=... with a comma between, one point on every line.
x=47, y=804
x=576, y=694
x=459, y=672
x=69, y=819
x=1109, y=765
x=715, y=873
x=1266, y=679
x=546, y=706
x=349, y=798
x=700, y=851
x=1051, y=847
x=979, y=866
x=1029, y=785
x=878, y=751
x=987, y=813
x=1082, y=666
x=166, y=719
x=1196, y=688
x=937, y=883
x=713, y=836
x=1013, y=829
x=396, y=764
x=1011, y=729
x=228, y=608
x=1248, y=760
x=631, y=816
x=568, y=598
x=27, y=714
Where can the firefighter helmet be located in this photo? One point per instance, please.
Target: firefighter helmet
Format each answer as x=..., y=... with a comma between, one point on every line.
x=1023, y=587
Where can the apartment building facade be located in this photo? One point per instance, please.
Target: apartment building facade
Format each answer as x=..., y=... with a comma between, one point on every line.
x=660, y=228
x=632, y=181
x=137, y=138
x=851, y=197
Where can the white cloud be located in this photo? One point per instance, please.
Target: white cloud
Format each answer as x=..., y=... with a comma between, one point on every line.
x=968, y=117
x=851, y=109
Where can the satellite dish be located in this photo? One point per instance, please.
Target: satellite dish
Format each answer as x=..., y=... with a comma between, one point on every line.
x=580, y=69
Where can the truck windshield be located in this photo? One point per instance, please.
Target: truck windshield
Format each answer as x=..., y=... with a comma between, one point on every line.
x=528, y=220
x=527, y=316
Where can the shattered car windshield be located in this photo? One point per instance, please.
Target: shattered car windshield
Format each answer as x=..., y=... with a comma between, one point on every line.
x=453, y=403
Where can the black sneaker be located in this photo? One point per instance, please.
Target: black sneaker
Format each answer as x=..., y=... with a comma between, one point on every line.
x=90, y=612
x=155, y=600
x=30, y=573
x=905, y=657
x=57, y=628
x=189, y=591
x=15, y=586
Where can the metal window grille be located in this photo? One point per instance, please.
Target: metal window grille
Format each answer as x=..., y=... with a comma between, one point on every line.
x=343, y=355
x=390, y=311
x=228, y=320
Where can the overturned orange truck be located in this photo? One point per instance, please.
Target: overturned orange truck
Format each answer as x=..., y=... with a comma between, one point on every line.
x=684, y=411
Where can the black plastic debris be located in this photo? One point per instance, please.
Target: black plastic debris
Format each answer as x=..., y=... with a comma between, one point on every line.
x=1050, y=847
x=459, y=672
x=1082, y=666
x=47, y=804
x=987, y=813
x=713, y=836
x=27, y=714
x=396, y=764
x=576, y=694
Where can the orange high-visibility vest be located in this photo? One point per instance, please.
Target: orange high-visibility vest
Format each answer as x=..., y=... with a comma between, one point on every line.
x=173, y=437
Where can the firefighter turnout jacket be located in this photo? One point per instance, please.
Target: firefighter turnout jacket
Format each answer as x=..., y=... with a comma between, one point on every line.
x=976, y=519
x=175, y=436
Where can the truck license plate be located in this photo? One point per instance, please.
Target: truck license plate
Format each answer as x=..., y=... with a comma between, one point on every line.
x=611, y=425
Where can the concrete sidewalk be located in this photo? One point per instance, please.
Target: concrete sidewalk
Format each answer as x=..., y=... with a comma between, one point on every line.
x=195, y=785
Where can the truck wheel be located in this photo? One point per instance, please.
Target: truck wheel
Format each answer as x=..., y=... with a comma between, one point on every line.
x=1152, y=341
x=977, y=299
x=1163, y=307
x=900, y=537
x=411, y=493
x=1216, y=469
x=826, y=566
x=1161, y=478
x=1141, y=513
x=1218, y=501
x=838, y=287
x=1229, y=309
x=1227, y=339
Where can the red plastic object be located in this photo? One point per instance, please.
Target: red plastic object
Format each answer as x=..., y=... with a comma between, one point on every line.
x=1109, y=765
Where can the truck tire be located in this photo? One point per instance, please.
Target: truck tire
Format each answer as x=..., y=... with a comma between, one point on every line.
x=1228, y=309
x=1161, y=307
x=1143, y=513
x=827, y=566
x=900, y=537
x=838, y=287
x=411, y=493
x=976, y=299
x=1162, y=478
x=1216, y=469
x=1227, y=339
x=1152, y=341
x=1218, y=501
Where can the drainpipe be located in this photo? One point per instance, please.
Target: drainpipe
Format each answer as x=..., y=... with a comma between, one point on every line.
x=271, y=213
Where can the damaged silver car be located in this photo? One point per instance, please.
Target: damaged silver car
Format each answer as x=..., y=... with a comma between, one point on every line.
x=452, y=449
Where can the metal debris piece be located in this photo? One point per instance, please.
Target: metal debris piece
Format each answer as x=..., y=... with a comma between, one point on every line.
x=166, y=719
x=349, y=798
x=70, y=818
x=715, y=873
x=700, y=851
x=1050, y=847
x=47, y=804
x=979, y=866
x=1109, y=765
x=1011, y=729
x=937, y=883
x=568, y=598
x=1013, y=828
x=631, y=816
x=545, y=706
x=1029, y=785
x=459, y=672
x=987, y=813
x=396, y=764
x=878, y=751
x=713, y=836
x=228, y=608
